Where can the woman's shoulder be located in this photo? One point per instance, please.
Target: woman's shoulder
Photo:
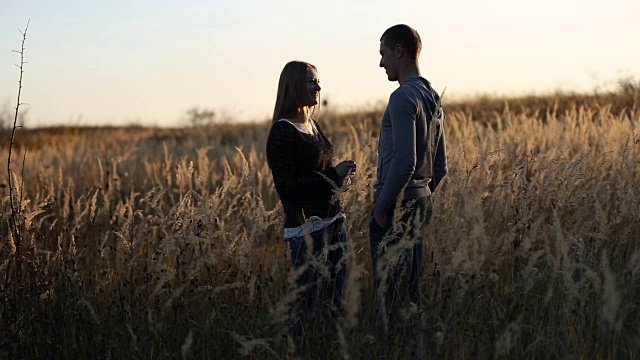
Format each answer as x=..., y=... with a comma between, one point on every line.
x=283, y=125
x=282, y=131
x=294, y=126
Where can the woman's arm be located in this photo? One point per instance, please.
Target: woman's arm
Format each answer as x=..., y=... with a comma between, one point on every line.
x=289, y=178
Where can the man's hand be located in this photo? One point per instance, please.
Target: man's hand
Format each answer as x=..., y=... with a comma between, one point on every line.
x=381, y=220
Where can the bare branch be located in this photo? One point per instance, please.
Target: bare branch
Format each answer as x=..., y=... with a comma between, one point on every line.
x=15, y=211
x=24, y=159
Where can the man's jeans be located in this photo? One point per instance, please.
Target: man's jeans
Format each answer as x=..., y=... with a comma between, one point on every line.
x=396, y=257
x=321, y=270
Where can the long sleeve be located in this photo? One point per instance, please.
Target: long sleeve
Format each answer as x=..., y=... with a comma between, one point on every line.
x=440, y=167
x=403, y=113
x=293, y=180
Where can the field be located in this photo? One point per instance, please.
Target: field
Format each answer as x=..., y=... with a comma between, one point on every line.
x=167, y=243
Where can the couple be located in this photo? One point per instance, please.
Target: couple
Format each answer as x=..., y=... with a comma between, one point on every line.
x=411, y=163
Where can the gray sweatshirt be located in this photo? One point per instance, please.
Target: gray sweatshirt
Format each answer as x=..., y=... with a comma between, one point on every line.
x=412, y=156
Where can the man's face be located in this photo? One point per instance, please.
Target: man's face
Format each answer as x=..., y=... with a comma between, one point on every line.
x=389, y=61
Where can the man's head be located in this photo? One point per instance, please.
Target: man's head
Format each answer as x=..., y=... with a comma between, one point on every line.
x=400, y=46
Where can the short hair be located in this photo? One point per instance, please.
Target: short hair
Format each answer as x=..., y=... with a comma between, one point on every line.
x=404, y=36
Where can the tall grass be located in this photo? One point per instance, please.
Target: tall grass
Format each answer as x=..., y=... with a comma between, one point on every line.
x=150, y=243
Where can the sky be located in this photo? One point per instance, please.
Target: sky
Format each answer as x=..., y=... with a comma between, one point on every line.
x=147, y=62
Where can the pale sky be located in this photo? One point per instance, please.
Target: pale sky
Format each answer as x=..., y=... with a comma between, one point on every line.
x=147, y=62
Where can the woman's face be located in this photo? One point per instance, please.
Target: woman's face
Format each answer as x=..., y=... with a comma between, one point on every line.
x=312, y=93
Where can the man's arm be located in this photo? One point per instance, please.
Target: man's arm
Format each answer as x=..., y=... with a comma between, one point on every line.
x=402, y=111
x=440, y=166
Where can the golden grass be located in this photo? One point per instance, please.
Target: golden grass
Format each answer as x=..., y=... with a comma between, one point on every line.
x=151, y=243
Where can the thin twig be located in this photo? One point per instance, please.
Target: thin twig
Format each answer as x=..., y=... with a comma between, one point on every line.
x=24, y=158
x=15, y=211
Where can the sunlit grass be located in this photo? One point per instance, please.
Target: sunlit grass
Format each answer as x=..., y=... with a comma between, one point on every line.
x=156, y=243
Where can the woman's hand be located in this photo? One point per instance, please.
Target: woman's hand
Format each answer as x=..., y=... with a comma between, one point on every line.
x=345, y=168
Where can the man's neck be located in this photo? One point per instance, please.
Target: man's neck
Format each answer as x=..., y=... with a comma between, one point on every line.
x=408, y=71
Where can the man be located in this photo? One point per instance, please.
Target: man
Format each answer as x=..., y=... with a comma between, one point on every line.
x=412, y=161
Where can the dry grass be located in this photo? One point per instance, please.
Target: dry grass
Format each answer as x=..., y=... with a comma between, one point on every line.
x=147, y=243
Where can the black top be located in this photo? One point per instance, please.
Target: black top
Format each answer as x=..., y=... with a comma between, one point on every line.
x=303, y=173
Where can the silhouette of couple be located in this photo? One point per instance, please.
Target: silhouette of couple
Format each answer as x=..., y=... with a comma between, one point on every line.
x=411, y=163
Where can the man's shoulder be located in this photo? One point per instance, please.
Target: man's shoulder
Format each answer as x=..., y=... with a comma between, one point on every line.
x=418, y=88
x=402, y=94
x=411, y=86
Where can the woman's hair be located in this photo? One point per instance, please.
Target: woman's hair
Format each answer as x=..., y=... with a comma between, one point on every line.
x=291, y=88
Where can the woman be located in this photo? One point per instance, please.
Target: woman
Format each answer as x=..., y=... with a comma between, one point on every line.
x=302, y=159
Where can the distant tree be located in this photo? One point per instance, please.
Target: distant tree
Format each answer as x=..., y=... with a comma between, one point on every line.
x=5, y=116
x=7, y=112
x=201, y=117
x=628, y=85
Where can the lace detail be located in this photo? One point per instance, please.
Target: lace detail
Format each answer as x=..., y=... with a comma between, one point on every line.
x=302, y=129
x=311, y=226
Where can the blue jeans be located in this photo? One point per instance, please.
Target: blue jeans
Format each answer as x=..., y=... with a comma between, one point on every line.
x=396, y=257
x=321, y=269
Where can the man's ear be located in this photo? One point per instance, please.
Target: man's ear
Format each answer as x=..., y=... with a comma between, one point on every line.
x=398, y=50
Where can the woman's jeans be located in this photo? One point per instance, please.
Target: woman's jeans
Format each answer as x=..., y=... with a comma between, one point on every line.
x=396, y=257
x=319, y=262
